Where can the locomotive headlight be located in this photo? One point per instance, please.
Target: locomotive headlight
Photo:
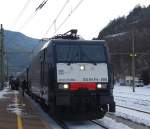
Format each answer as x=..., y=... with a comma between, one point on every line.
x=66, y=86
x=63, y=86
x=101, y=86
x=82, y=67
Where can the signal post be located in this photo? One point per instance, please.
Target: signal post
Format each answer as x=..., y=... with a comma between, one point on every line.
x=1, y=56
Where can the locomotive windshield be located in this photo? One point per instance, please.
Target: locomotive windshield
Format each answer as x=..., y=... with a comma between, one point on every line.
x=80, y=53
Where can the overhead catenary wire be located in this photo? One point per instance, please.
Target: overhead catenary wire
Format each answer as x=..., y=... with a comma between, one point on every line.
x=54, y=21
x=40, y=6
x=28, y=20
x=19, y=50
x=21, y=12
x=69, y=15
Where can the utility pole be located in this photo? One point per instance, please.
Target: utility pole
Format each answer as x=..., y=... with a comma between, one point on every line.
x=133, y=27
x=7, y=69
x=133, y=57
x=1, y=56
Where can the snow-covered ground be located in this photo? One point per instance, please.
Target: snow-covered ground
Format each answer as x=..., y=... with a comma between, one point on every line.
x=108, y=122
x=4, y=92
x=140, y=100
x=124, y=96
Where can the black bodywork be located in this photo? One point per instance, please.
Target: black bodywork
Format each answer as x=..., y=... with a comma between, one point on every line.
x=82, y=104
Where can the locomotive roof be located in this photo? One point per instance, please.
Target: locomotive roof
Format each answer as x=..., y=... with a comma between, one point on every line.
x=58, y=41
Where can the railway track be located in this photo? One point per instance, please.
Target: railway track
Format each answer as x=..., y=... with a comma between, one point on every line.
x=133, y=109
x=131, y=98
x=64, y=126
x=98, y=123
x=135, y=94
x=61, y=123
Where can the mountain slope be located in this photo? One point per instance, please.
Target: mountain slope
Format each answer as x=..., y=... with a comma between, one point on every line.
x=19, y=50
x=122, y=24
x=119, y=35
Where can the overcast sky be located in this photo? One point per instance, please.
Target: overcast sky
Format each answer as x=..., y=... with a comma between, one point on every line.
x=89, y=18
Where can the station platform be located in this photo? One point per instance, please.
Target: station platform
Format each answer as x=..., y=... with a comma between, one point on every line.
x=17, y=112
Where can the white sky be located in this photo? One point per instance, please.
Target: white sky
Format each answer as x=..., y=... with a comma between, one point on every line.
x=89, y=18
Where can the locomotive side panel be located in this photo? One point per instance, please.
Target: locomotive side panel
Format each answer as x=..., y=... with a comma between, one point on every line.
x=41, y=74
x=35, y=76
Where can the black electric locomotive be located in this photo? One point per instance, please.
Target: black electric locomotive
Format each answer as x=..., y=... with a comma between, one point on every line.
x=73, y=77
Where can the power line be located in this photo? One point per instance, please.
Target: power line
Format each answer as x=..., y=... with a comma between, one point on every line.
x=21, y=12
x=28, y=20
x=74, y=9
x=40, y=6
x=54, y=21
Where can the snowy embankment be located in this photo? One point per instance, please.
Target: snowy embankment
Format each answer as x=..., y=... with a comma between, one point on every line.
x=140, y=100
x=4, y=92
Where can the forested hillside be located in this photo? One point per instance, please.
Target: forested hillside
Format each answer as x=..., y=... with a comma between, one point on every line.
x=120, y=34
x=19, y=50
x=122, y=24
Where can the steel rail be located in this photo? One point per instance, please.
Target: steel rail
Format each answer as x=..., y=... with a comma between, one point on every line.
x=98, y=123
x=61, y=123
x=117, y=97
x=133, y=109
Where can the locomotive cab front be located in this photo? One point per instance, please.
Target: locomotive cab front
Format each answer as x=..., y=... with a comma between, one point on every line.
x=83, y=79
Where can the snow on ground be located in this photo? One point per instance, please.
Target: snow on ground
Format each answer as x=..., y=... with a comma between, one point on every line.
x=140, y=99
x=108, y=122
x=83, y=125
x=124, y=95
x=15, y=106
x=112, y=124
x=135, y=116
x=4, y=92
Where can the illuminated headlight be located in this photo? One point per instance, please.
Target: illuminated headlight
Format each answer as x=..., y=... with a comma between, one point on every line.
x=63, y=86
x=66, y=86
x=82, y=67
x=101, y=86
